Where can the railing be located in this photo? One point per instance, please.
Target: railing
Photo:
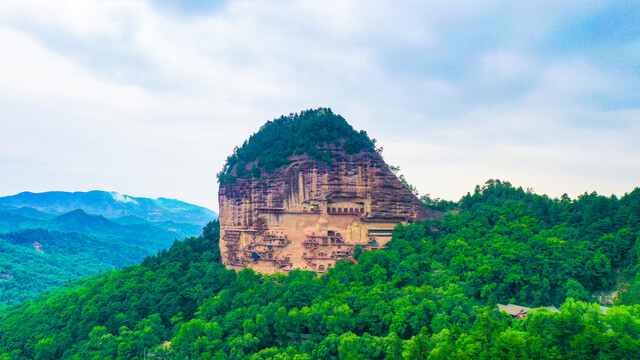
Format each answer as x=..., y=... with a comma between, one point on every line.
x=308, y=260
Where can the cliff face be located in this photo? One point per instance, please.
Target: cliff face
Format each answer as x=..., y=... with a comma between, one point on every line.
x=309, y=214
x=364, y=176
x=280, y=210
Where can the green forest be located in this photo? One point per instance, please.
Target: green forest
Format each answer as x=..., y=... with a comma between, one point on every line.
x=312, y=132
x=61, y=257
x=37, y=254
x=430, y=294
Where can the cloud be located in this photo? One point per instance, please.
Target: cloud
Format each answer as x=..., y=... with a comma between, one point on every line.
x=148, y=98
x=122, y=198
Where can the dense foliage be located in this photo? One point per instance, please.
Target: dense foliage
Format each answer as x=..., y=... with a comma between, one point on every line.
x=32, y=261
x=165, y=288
x=39, y=250
x=311, y=132
x=431, y=294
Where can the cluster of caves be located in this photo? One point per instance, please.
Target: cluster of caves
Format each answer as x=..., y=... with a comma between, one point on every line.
x=308, y=215
x=321, y=251
x=265, y=245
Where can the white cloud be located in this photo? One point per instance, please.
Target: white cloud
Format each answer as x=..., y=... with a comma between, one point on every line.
x=505, y=65
x=85, y=18
x=123, y=95
x=122, y=198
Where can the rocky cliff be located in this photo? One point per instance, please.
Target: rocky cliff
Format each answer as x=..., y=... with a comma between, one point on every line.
x=311, y=211
x=363, y=175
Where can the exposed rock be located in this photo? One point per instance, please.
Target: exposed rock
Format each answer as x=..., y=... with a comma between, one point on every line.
x=310, y=213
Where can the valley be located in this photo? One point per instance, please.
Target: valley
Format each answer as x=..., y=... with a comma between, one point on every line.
x=49, y=239
x=503, y=273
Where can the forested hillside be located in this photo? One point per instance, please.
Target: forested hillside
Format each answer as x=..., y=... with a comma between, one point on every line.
x=431, y=294
x=32, y=261
x=44, y=246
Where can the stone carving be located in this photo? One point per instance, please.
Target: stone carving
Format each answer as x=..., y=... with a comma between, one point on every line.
x=310, y=213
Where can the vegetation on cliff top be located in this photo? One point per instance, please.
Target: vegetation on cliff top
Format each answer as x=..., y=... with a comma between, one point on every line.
x=310, y=133
x=429, y=295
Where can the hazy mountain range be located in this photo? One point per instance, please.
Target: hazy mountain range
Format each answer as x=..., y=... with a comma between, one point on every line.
x=111, y=205
x=49, y=238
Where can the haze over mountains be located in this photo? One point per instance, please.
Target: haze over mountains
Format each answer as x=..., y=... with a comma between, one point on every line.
x=49, y=238
x=112, y=205
x=434, y=291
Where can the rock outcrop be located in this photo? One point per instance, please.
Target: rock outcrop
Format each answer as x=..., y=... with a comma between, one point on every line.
x=310, y=213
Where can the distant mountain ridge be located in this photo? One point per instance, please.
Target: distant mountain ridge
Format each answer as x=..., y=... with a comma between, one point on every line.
x=49, y=238
x=111, y=205
x=152, y=236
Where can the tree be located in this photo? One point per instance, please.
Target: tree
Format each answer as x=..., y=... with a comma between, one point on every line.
x=418, y=348
x=46, y=349
x=575, y=290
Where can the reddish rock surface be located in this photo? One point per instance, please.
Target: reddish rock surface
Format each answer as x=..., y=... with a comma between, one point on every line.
x=363, y=175
x=309, y=214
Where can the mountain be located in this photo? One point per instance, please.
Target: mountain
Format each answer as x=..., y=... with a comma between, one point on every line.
x=330, y=194
x=129, y=220
x=29, y=213
x=108, y=204
x=80, y=221
x=312, y=133
x=12, y=222
x=34, y=260
x=152, y=236
x=55, y=247
x=432, y=293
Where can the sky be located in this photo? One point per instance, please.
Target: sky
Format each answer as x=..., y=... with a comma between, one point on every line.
x=148, y=98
